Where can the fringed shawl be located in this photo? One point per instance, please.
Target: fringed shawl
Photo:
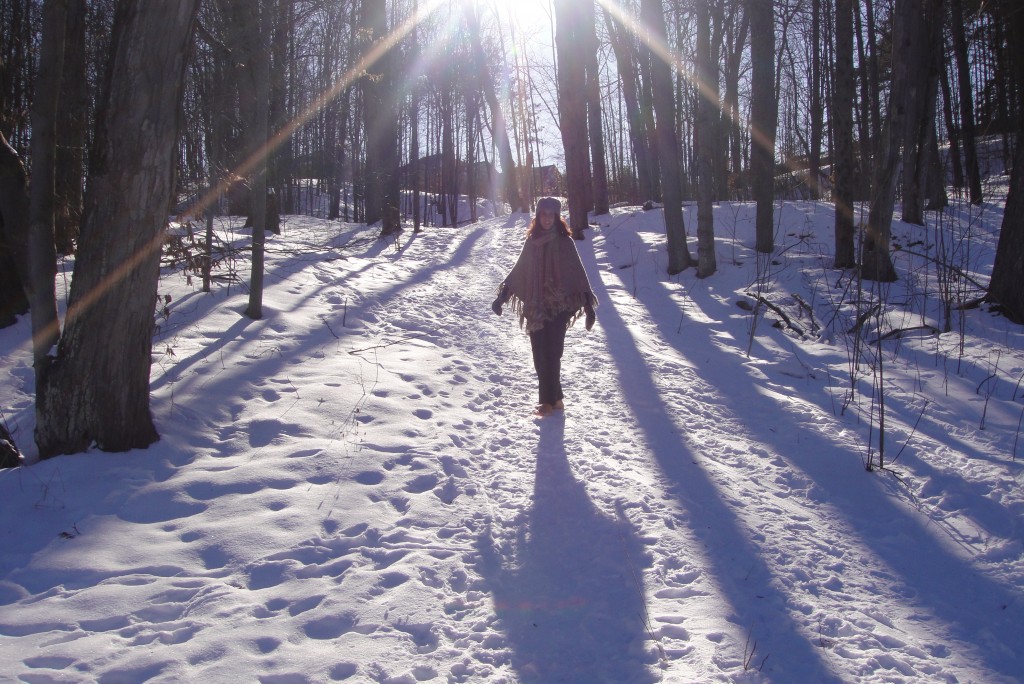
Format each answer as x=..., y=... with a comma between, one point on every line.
x=548, y=279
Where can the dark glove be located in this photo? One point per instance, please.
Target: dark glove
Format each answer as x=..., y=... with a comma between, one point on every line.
x=503, y=295
x=591, y=317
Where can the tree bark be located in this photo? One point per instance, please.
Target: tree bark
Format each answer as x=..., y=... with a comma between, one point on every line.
x=258, y=129
x=572, y=110
x=380, y=116
x=920, y=98
x=500, y=129
x=1006, y=288
x=72, y=118
x=707, y=116
x=907, y=81
x=730, y=184
x=763, y=120
x=844, y=162
x=42, y=254
x=625, y=60
x=951, y=128
x=599, y=177
x=816, y=113
x=96, y=390
x=653, y=17
x=645, y=92
x=14, y=223
x=966, y=100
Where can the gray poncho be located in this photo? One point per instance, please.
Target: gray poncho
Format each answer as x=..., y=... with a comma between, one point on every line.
x=548, y=278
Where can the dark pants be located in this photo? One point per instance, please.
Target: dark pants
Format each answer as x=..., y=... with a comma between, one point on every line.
x=548, y=344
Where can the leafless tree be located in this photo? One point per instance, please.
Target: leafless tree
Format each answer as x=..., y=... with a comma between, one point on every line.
x=95, y=389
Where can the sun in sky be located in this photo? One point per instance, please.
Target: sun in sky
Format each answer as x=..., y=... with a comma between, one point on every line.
x=528, y=13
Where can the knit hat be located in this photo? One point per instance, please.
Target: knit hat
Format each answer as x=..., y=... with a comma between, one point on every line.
x=549, y=204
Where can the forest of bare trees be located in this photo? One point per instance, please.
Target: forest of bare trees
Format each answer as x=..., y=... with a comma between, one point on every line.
x=113, y=114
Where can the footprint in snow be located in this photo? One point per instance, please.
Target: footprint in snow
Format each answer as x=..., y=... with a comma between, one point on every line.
x=370, y=477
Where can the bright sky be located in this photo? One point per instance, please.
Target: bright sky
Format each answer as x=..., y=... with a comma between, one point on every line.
x=528, y=12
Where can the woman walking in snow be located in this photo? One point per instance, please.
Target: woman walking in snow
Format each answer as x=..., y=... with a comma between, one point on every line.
x=549, y=290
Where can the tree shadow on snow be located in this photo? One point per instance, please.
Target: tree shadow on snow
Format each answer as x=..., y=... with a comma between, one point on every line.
x=733, y=559
x=567, y=595
x=884, y=527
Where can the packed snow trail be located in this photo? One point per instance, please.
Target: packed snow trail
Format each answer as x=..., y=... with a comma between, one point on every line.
x=650, y=482
x=354, y=489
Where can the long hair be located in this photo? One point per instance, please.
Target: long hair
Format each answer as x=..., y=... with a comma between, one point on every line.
x=560, y=225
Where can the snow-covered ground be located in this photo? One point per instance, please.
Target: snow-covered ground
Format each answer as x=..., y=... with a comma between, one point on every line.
x=354, y=489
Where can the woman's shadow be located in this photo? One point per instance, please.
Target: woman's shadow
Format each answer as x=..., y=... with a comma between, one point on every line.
x=570, y=595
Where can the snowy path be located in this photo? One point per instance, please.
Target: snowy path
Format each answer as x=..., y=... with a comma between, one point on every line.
x=354, y=489
x=652, y=481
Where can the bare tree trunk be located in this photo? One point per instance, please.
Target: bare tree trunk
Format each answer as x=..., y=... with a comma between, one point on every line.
x=645, y=92
x=864, y=129
x=572, y=111
x=380, y=116
x=843, y=162
x=707, y=110
x=731, y=184
x=594, y=126
x=71, y=131
x=259, y=127
x=816, y=113
x=874, y=86
x=920, y=98
x=956, y=27
x=42, y=254
x=763, y=118
x=449, y=162
x=876, y=262
x=14, y=223
x=679, y=258
x=500, y=133
x=96, y=390
x=952, y=128
x=1007, y=285
x=414, y=128
x=625, y=61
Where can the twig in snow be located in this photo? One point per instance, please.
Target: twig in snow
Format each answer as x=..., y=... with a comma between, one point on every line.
x=388, y=344
x=782, y=314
